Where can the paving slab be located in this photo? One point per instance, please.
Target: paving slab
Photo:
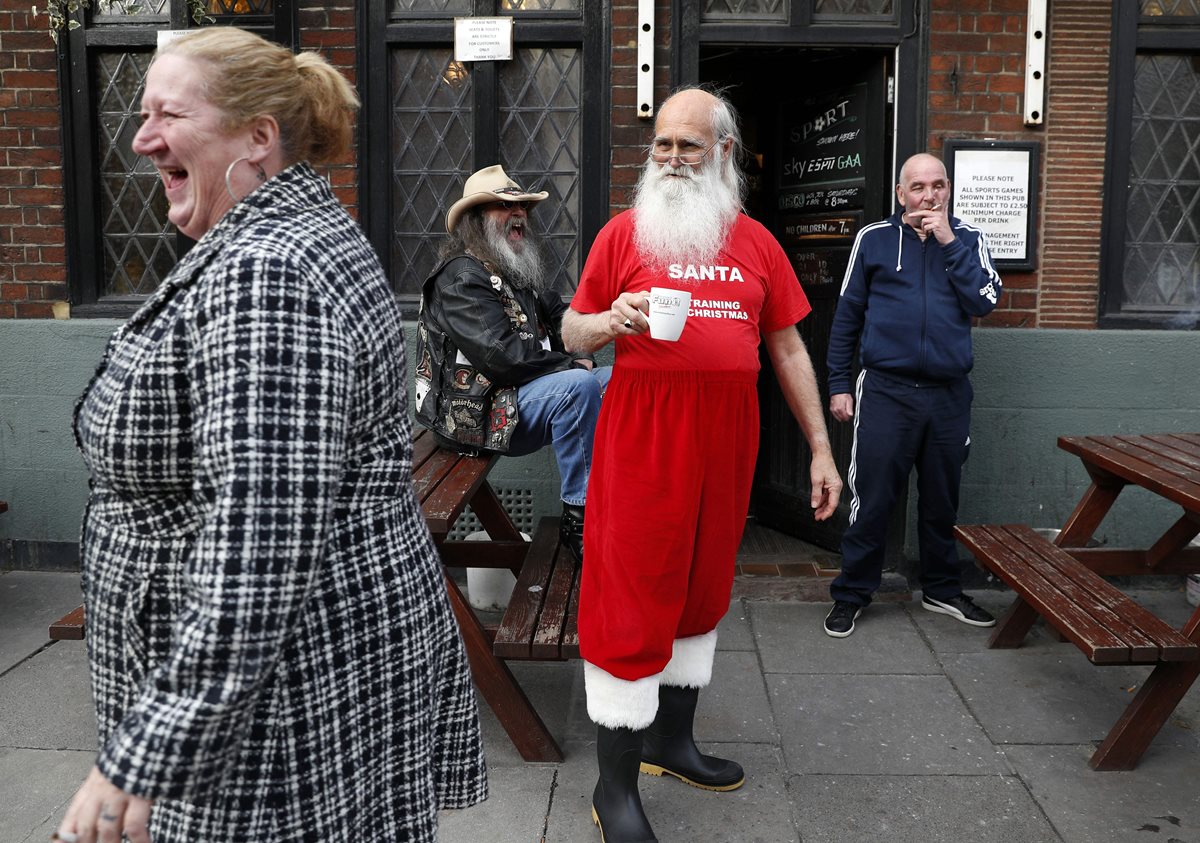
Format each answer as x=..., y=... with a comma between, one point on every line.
x=46, y=701
x=35, y=786
x=791, y=639
x=878, y=725
x=918, y=809
x=1157, y=802
x=555, y=689
x=515, y=810
x=735, y=706
x=29, y=602
x=1054, y=696
x=946, y=635
x=734, y=632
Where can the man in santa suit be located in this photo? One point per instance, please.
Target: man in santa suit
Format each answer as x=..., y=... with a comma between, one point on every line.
x=675, y=447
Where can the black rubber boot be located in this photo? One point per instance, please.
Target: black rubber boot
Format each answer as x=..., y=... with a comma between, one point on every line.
x=616, y=803
x=570, y=531
x=669, y=747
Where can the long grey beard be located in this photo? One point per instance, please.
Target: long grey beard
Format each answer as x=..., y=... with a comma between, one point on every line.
x=682, y=220
x=522, y=269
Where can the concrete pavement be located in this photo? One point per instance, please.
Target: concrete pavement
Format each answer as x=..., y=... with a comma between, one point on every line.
x=908, y=730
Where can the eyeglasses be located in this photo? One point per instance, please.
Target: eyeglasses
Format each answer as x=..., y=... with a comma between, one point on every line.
x=509, y=206
x=692, y=159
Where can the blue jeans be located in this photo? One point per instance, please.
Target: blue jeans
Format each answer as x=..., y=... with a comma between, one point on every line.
x=561, y=409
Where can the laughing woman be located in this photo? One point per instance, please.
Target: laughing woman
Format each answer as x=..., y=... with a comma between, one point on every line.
x=273, y=655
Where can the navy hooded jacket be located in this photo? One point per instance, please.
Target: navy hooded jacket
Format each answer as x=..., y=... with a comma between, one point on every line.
x=910, y=302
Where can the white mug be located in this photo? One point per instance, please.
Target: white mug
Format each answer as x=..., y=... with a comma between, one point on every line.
x=668, y=312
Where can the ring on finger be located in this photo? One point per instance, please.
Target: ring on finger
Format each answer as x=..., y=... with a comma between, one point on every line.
x=628, y=324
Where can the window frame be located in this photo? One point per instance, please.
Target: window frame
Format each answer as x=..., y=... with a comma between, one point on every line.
x=1131, y=34
x=379, y=31
x=81, y=137
x=905, y=32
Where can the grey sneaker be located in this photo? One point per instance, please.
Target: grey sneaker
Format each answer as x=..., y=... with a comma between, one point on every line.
x=840, y=621
x=960, y=607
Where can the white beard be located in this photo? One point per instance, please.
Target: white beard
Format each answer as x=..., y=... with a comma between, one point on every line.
x=682, y=216
x=521, y=266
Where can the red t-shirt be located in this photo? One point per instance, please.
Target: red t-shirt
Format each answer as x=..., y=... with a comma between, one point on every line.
x=749, y=289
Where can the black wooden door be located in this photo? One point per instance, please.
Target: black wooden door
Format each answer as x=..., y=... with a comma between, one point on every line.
x=827, y=174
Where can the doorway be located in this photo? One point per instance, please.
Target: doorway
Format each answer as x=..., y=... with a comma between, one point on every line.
x=819, y=164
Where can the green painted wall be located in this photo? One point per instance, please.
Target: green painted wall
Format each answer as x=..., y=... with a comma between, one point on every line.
x=1033, y=386
x=1030, y=388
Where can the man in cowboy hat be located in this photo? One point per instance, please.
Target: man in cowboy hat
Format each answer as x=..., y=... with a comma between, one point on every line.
x=492, y=374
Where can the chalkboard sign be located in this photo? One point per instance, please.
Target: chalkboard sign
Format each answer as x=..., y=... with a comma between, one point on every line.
x=994, y=187
x=823, y=144
x=815, y=265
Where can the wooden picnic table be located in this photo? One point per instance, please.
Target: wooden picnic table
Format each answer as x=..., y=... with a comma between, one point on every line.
x=1062, y=582
x=446, y=483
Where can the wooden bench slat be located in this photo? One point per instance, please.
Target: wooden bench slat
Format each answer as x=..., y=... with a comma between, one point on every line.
x=1107, y=625
x=1171, y=644
x=1100, y=645
x=1105, y=603
x=515, y=634
x=70, y=627
x=432, y=472
x=445, y=484
x=424, y=446
x=547, y=638
x=570, y=645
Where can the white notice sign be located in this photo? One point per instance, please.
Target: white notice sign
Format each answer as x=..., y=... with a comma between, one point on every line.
x=483, y=39
x=166, y=36
x=991, y=191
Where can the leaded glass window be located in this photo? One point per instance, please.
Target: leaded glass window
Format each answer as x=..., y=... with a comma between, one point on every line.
x=850, y=9
x=240, y=7
x=1170, y=8
x=534, y=114
x=539, y=141
x=1162, y=249
x=747, y=10
x=120, y=242
x=516, y=7
x=432, y=144
x=131, y=8
x=463, y=7
x=138, y=248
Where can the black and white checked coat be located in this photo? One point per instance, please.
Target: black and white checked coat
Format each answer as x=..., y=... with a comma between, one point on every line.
x=273, y=655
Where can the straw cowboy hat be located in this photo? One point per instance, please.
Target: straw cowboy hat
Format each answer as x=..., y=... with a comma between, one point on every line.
x=491, y=184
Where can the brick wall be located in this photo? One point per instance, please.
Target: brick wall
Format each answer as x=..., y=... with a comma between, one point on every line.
x=1076, y=138
x=630, y=135
x=32, y=255
x=976, y=84
x=329, y=29
x=976, y=81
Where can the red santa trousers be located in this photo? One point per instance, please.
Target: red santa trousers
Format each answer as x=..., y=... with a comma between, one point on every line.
x=666, y=506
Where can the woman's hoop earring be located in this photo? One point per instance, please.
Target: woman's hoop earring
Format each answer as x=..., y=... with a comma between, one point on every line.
x=229, y=172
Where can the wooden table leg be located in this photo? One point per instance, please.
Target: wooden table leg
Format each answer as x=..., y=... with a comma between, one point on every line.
x=495, y=518
x=499, y=687
x=1145, y=715
x=1090, y=511
x=1013, y=626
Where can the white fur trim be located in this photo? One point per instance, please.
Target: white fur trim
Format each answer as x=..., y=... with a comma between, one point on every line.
x=619, y=703
x=691, y=661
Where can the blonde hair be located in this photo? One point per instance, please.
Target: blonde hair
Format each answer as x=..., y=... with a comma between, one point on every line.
x=251, y=77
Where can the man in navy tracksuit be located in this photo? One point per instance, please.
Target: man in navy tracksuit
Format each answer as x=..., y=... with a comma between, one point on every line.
x=914, y=282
